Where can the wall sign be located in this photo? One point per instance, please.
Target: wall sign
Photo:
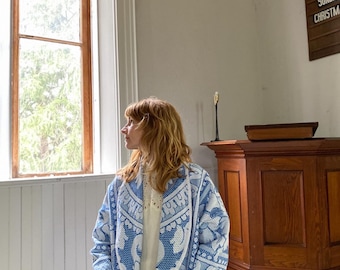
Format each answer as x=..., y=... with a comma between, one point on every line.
x=323, y=26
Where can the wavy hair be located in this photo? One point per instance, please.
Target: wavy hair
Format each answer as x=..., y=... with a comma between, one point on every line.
x=162, y=147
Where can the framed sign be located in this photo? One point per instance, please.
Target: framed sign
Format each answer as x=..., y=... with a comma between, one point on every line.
x=323, y=26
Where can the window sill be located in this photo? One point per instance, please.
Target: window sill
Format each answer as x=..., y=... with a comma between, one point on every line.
x=55, y=179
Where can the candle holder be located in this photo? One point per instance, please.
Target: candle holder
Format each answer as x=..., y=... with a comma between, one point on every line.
x=216, y=99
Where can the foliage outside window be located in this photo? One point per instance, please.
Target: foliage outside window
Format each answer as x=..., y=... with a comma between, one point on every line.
x=51, y=88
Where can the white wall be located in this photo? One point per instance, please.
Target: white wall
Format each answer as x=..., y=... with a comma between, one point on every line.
x=253, y=52
x=189, y=49
x=295, y=89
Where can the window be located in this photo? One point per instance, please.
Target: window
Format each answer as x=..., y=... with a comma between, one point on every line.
x=111, y=90
x=51, y=88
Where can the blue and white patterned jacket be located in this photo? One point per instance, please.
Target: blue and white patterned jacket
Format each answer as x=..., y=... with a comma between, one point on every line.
x=194, y=229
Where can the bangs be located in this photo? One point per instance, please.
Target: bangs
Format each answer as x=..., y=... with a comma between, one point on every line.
x=133, y=111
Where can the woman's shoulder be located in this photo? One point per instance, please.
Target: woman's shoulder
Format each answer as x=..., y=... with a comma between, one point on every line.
x=199, y=176
x=196, y=170
x=116, y=182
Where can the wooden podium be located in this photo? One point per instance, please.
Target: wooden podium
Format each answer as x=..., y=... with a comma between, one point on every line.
x=283, y=199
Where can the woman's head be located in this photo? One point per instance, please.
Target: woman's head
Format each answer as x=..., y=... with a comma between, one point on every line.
x=161, y=144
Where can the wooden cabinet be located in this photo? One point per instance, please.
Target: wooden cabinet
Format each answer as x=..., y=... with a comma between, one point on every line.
x=283, y=199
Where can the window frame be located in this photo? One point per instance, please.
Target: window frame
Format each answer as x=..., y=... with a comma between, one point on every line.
x=86, y=88
x=113, y=26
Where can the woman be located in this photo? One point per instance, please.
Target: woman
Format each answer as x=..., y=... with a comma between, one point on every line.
x=161, y=211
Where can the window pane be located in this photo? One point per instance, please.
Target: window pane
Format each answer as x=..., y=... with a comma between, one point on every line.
x=57, y=19
x=50, y=109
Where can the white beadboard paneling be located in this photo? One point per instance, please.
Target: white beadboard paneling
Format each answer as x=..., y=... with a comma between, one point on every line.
x=26, y=228
x=58, y=209
x=36, y=227
x=4, y=228
x=75, y=227
x=31, y=218
x=80, y=224
x=15, y=228
x=47, y=238
x=48, y=224
x=70, y=226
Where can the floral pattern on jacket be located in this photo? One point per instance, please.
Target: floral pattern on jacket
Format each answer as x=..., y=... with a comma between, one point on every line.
x=194, y=229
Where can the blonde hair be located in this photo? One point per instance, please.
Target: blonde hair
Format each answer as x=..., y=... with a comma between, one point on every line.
x=162, y=148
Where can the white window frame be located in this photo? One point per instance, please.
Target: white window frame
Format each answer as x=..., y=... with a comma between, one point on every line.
x=114, y=79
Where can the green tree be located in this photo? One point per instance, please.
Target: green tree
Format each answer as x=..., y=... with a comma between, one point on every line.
x=50, y=114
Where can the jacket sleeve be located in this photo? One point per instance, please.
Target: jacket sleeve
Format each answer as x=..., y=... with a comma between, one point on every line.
x=214, y=226
x=101, y=252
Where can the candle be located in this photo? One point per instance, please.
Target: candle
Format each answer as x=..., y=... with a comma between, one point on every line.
x=216, y=97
